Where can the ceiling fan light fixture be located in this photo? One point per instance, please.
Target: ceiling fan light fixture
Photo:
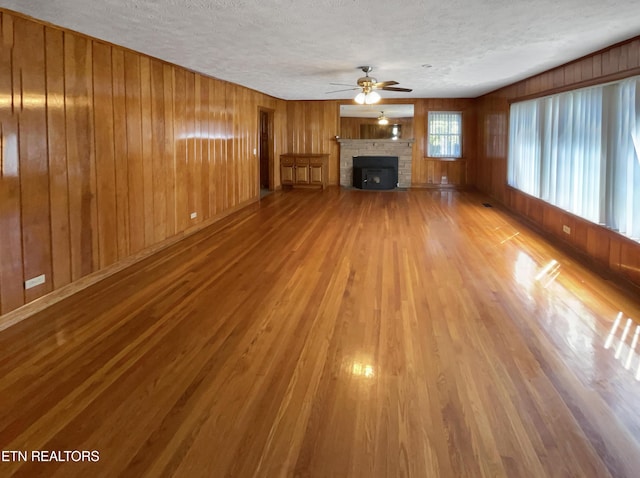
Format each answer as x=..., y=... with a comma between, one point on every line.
x=372, y=98
x=382, y=119
x=367, y=84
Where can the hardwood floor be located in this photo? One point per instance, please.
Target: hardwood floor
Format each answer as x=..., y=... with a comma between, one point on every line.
x=333, y=334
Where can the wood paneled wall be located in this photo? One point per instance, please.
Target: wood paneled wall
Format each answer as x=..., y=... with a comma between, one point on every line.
x=312, y=128
x=351, y=128
x=106, y=152
x=603, y=246
x=313, y=125
x=429, y=171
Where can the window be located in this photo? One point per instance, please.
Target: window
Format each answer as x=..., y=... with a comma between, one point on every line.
x=445, y=134
x=579, y=151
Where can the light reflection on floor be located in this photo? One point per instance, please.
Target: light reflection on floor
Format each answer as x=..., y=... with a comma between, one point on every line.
x=549, y=273
x=622, y=340
x=623, y=351
x=523, y=271
x=564, y=313
x=362, y=370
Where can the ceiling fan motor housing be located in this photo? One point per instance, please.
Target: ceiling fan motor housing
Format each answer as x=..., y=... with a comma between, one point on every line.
x=367, y=81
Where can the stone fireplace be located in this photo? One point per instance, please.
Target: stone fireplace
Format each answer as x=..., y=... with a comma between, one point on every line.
x=402, y=148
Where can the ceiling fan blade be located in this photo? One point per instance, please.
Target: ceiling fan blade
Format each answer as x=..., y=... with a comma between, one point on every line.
x=338, y=91
x=382, y=84
x=392, y=88
x=342, y=84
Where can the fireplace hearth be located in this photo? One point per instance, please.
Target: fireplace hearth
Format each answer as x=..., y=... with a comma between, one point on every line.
x=375, y=172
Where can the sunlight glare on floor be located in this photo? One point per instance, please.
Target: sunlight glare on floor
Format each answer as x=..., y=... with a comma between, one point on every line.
x=549, y=273
x=622, y=342
x=362, y=370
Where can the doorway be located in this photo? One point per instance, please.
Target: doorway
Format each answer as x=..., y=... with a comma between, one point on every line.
x=265, y=147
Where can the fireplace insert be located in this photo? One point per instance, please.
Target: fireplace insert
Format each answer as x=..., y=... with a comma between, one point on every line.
x=375, y=172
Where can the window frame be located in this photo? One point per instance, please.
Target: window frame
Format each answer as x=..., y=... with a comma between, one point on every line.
x=459, y=135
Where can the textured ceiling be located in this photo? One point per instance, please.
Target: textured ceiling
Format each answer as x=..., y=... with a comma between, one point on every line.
x=294, y=49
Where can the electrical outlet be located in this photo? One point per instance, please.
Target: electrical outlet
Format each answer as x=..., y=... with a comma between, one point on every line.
x=194, y=215
x=34, y=282
x=566, y=229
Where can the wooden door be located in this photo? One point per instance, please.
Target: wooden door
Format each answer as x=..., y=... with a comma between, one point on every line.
x=264, y=149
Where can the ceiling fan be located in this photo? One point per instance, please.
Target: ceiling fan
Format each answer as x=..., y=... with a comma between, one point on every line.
x=367, y=84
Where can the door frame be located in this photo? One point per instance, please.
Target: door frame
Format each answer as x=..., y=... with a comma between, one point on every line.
x=271, y=144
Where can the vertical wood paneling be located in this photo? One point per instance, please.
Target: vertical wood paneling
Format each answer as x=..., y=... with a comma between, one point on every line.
x=634, y=54
x=596, y=246
x=279, y=140
x=222, y=132
x=160, y=164
x=242, y=125
x=11, y=259
x=205, y=142
x=135, y=155
x=249, y=126
x=240, y=143
x=419, y=171
x=212, y=145
x=120, y=152
x=105, y=152
x=29, y=83
x=312, y=127
x=80, y=155
x=630, y=261
x=329, y=144
x=189, y=133
x=197, y=149
x=105, y=159
x=180, y=132
x=57, y=149
x=233, y=146
x=169, y=154
x=147, y=147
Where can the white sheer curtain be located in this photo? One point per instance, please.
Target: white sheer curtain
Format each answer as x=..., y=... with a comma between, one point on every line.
x=622, y=204
x=571, y=143
x=524, y=165
x=580, y=151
